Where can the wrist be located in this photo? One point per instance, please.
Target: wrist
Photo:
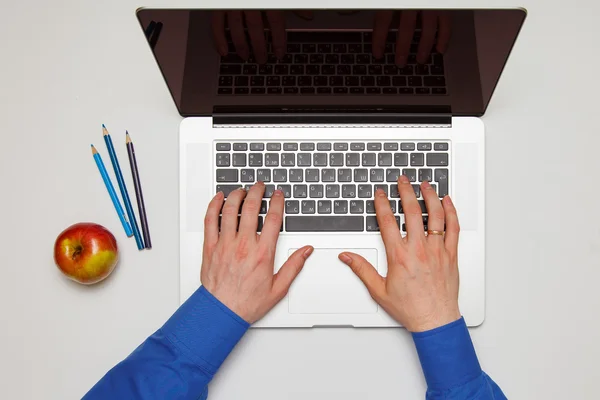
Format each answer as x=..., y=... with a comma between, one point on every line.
x=434, y=321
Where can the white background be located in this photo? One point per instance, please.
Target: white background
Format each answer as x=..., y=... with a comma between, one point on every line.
x=69, y=65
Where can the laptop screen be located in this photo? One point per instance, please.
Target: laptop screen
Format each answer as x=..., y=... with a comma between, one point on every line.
x=267, y=61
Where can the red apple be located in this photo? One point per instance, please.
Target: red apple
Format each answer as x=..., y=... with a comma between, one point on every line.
x=86, y=252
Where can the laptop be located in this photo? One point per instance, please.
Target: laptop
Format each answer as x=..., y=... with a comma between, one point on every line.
x=328, y=106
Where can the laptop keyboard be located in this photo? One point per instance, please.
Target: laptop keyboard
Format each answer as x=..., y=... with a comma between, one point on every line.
x=332, y=63
x=329, y=186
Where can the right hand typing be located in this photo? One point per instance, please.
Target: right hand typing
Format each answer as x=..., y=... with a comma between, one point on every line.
x=421, y=287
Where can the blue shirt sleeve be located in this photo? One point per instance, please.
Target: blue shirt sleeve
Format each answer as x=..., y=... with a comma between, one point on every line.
x=180, y=359
x=450, y=365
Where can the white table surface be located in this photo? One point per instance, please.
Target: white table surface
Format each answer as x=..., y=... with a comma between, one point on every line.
x=67, y=66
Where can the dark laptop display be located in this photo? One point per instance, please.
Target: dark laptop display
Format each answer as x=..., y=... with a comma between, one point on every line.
x=409, y=61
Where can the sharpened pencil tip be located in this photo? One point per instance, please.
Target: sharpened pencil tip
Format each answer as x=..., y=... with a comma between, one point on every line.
x=103, y=126
x=127, y=137
x=94, y=151
x=104, y=130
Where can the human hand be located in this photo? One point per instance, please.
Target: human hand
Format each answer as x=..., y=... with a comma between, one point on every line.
x=432, y=22
x=237, y=263
x=421, y=287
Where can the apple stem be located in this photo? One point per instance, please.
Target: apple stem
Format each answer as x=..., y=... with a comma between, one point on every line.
x=77, y=252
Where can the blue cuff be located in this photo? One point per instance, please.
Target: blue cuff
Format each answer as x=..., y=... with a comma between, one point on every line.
x=447, y=355
x=204, y=329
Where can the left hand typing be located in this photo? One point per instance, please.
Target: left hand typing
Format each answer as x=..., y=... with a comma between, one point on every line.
x=237, y=263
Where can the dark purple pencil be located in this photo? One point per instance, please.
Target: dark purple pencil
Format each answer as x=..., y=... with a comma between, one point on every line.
x=138, y=191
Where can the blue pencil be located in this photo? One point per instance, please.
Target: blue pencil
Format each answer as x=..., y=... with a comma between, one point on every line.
x=124, y=194
x=111, y=191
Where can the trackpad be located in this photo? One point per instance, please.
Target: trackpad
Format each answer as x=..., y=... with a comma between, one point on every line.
x=328, y=286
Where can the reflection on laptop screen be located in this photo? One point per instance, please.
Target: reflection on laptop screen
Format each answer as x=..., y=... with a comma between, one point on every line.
x=260, y=61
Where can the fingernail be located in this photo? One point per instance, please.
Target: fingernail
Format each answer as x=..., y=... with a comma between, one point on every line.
x=403, y=179
x=422, y=57
x=345, y=259
x=380, y=192
x=260, y=183
x=223, y=50
x=277, y=193
x=426, y=185
x=279, y=53
x=308, y=252
x=243, y=189
x=448, y=200
x=219, y=195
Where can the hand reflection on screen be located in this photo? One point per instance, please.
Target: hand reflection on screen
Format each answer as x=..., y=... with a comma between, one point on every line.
x=254, y=21
x=432, y=22
x=435, y=25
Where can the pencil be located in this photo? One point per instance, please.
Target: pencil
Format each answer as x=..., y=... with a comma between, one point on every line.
x=138, y=190
x=111, y=191
x=123, y=187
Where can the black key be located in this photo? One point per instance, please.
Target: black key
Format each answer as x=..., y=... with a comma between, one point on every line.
x=258, y=90
x=312, y=69
x=227, y=175
x=382, y=187
x=274, y=90
x=390, y=90
x=263, y=207
x=263, y=175
x=225, y=91
x=438, y=59
x=328, y=175
x=351, y=81
x=300, y=191
x=339, y=48
x=336, y=159
x=307, y=90
x=288, y=160
x=269, y=189
x=272, y=59
x=407, y=146
x=378, y=60
x=340, y=146
x=361, y=175
x=296, y=175
x=411, y=59
x=441, y=177
x=434, y=81
x=320, y=80
x=373, y=90
x=406, y=70
x=417, y=159
x=290, y=90
x=227, y=189
x=315, y=191
x=241, y=81
x=309, y=48
x=290, y=147
x=377, y=175
x=422, y=69
x=373, y=226
x=404, y=90
x=273, y=146
x=357, y=90
x=239, y=160
x=223, y=160
x=370, y=208
x=288, y=81
x=357, y=146
x=423, y=146
x=340, y=90
x=273, y=81
x=242, y=90
x=308, y=207
x=343, y=69
x=354, y=48
x=375, y=69
x=255, y=160
x=359, y=69
x=320, y=159
x=415, y=81
x=228, y=69
x=257, y=146
x=399, y=81
x=297, y=69
x=324, y=48
x=392, y=174
x=286, y=190
x=307, y=146
x=340, y=207
x=440, y=146
x=390, y=146
x=272, y=160
x=286, y=59
x=368, y=48
x=400, y=159
x=421, y=90
x=323, y=146
x=368, y=159
x=348, y=191
x=324, y=90
x=294, y=48
x=438, y=91
x=363, y=59
x=225, y=80
x=324, y=206
x=425, y=174
x=301, y=59
x=437, y=70
x=304, y=159
x=374, y=146
x=316, y=58
x=390, y=69
x=357, y=206
x=347, y=59
x=280, y=175
x=365, y=191
x=394, y=194
x=367, y=81
x=437, y=159
x=281, y=69
x=410, y=173
x=332, y=59
x=417, y=190
x=352, y=159
x=223, y=146
x=250, y=69
x=328, y=69
x=347, y=223
x=332, y=191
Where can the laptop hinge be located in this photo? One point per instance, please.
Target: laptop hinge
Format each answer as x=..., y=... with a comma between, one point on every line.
x=346, y=116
